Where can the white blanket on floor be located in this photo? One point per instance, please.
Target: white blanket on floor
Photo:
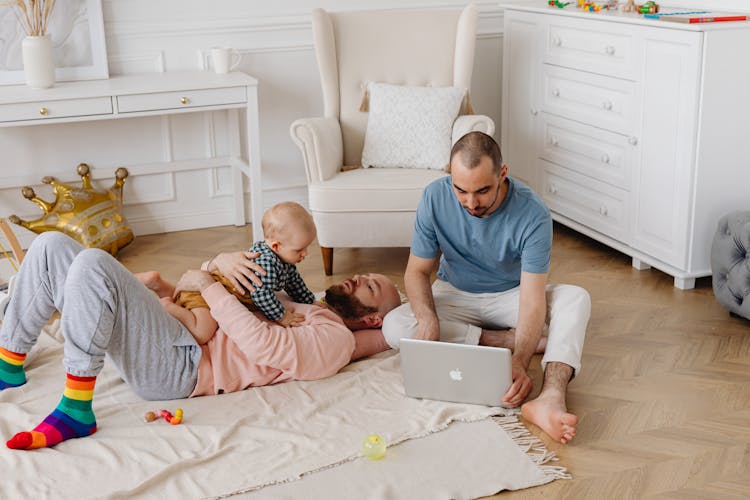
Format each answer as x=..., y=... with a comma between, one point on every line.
x=238, y=442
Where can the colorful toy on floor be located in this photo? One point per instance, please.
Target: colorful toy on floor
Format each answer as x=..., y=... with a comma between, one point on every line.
x=172, y=419
x=175, y=419
x=557, y=3
x=374, y=447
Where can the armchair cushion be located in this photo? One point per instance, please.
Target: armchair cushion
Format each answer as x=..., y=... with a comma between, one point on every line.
x=410, y=127
x=371, y=190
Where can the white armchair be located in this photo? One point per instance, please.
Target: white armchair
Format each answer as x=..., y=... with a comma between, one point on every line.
x=375, y=207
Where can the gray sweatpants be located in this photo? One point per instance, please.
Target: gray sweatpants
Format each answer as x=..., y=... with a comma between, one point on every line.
x=105, y=309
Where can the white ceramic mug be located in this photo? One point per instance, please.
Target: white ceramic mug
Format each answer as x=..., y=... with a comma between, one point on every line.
x=224, y=59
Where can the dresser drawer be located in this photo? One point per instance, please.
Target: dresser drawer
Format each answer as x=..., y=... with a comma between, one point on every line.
x=601, y=101
x=598, y=47
x=44, y=110
x=585, y=200
x=183, y=99
x=591, y=151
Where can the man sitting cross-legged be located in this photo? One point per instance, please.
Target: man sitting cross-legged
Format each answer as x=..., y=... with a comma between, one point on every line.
x=495, y=235
x=106, y=310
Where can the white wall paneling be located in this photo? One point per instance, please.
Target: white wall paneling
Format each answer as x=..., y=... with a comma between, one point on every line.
x=275, y=41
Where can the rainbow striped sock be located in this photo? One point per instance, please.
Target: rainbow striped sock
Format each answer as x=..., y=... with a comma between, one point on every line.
x=72, y=418
x=11, y=369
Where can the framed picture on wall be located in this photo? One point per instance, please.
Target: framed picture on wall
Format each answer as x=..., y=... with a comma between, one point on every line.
x=76, y=28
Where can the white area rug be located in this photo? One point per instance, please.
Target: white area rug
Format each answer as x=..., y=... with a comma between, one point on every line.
x=244, y=442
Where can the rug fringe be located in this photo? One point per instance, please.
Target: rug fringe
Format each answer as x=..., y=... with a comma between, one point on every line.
x=532, y=446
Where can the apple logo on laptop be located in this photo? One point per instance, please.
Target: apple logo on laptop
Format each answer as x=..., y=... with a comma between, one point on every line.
x=456, y=375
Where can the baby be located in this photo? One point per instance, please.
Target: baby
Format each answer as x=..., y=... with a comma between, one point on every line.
x=288, y=230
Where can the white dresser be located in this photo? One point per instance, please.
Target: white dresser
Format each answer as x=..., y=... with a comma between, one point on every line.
x=635, y=132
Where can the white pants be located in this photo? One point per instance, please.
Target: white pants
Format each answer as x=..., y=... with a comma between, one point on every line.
x=462, y=316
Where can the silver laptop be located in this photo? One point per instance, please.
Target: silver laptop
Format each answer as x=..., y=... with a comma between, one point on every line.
x=455, y=372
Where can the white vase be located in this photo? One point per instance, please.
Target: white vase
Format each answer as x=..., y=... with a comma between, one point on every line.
x=38, y=64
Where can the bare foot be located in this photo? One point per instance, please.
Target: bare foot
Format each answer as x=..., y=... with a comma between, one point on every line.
x=548, y=412
x=153, y=281
x=507, y=339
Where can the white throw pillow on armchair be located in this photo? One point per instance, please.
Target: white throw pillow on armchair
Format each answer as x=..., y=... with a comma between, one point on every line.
x=410, y=127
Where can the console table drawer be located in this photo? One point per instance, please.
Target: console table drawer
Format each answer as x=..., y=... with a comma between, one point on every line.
x=591, y=151
x=173, y=100
x=42, y=110
x=604, y=48
x=605, y=102
x=592, y=203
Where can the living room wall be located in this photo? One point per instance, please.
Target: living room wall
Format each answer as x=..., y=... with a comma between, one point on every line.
x=275, y=40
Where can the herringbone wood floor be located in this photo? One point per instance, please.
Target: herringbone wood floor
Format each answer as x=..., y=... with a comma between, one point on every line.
x=664, y=394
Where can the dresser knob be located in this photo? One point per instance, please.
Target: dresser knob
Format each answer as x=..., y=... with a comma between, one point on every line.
x=554, y=141
x=43, y=111
x=633, y=141
x=605, y=158
x=184, y=100
x=610, y=50
x=557, y=41
x=552, y=189
x=556, y=92
x=533, y=111
x=603, y=210
x=607, y=105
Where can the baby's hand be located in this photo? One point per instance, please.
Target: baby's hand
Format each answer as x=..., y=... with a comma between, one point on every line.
x=291, y=318
x=166, y=302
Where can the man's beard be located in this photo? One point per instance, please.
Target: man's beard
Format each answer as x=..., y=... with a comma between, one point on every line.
x=348, y=306
x=483, y=210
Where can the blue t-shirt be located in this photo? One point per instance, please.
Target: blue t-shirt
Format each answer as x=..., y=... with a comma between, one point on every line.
x=485, y=254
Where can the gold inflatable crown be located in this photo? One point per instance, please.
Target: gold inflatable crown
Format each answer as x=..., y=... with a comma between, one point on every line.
x=93, y=217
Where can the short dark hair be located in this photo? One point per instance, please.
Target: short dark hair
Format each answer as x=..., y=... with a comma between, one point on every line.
x=473, y=147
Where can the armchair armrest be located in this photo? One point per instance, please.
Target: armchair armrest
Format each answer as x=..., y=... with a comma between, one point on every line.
x=321, y=144
x=470, y=123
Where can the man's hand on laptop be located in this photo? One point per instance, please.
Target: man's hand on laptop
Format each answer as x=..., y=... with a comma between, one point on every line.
x=520, y=388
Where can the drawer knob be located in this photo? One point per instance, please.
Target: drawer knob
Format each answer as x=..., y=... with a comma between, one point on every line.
x=610, y=50
x=603, y=210
x=534, y=111
x=556, y=92
x=605, y=158
x=557, y=41
x=552, y=189
x=184, y=100
x=607, y=105
x=554, y=141
x=633, y=141
x=44, y=111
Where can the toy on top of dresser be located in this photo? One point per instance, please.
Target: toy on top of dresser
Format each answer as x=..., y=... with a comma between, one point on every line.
x=588, y=5
x=649, y=7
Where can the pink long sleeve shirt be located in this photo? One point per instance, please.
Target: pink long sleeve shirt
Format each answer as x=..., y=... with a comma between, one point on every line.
x=249, y=351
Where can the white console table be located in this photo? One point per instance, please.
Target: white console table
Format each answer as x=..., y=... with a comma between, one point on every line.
x=155, y=94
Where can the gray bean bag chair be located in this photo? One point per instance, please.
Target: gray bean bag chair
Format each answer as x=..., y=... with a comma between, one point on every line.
x=730, y=263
